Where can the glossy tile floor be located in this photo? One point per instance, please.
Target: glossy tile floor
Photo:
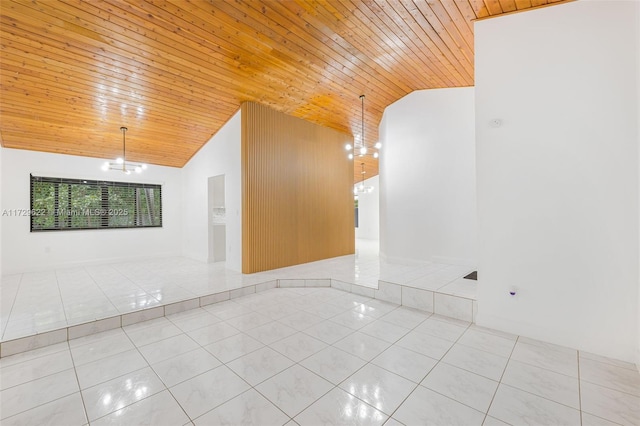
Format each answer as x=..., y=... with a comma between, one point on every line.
x=313, y=356
x=36, y=302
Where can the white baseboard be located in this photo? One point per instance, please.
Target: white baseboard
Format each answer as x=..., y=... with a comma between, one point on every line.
x=554, y=335
x=404, y=261
x=423, y=262
x=455, y=261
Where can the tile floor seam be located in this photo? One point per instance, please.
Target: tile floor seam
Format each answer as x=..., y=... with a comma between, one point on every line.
x=603, y=418
x=374, y=365
x=109, y=300
x=102, y=358
x=240, y=356
x=579, y=386
x=180, y=405
x=137, y=349
x=4, y=328
x=162, y=340
x=416, y=352
x=393, y=372
x=544, y=368
x=631, y=366
x=271, y=402
x=490, y=353
x=40, y=405
x=356, y=371
x=502, y=374
x=225, y=364
x=366, y=363
x=539, y=396
x=316, y=400
x=456, y=342
x=198, y=375
x=56, y=399
x=340, y=389
x=500, y=381
x=117, y=377
x=402, y=403
x=267, y=378
x=64, y=310
x=41, y=377
x=248, y=390
x=105, y=295
x=37, y=357
x=546, y=345
x=169, y=359
x=75, y=372
x=452, y=399
x=148, y=365
x=355, y=396
x=446, y=363
x=608, y=387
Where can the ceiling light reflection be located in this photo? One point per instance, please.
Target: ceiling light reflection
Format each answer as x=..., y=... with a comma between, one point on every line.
x=348, y=412
x=106, y=400
x=141, y=392
x=364, y=413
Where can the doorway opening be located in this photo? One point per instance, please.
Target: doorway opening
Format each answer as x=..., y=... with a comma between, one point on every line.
x=217, y=220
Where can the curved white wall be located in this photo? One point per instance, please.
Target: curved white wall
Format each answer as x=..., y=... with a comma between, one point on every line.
x=427, y=178
x=558, y=181
x=637, y=37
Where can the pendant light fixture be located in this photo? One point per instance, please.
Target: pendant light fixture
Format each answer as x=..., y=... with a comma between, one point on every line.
x=360, y=149
x=361, y=188
x=121, y=163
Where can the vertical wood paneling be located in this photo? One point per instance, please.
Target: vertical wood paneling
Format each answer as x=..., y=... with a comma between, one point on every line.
x=297, y=199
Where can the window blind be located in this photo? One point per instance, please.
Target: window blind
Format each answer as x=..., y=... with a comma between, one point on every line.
x=59, y=204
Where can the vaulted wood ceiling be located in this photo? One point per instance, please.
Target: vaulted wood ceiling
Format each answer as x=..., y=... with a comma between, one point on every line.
x=174, y=71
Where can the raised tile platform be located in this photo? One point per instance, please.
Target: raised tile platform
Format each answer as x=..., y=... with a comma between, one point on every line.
x=429, y=301
x=43, y=308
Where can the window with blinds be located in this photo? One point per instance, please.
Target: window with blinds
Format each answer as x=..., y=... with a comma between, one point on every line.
x=59, y=204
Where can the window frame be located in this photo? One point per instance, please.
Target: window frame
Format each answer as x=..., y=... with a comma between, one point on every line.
x=103, y=188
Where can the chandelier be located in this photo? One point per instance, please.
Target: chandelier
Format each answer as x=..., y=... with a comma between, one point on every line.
x=361, y=188
x=121, y=163
x=360, y=149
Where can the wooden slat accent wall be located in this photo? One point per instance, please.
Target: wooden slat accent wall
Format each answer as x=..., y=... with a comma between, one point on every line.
x=297, y=191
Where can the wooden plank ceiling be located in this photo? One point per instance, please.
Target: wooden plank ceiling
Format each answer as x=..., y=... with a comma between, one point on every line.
x=174, y=71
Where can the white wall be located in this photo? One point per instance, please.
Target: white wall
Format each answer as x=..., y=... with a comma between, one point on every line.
x=185, y=200
x=637, y=38
x=427, y=178
x=369, y=211
x=221, y=155
x=27, y=251
x=558, y=181
x=1, y=207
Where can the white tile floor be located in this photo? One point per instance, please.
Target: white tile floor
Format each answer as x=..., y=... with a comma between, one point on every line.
x=37, y=302
x=313, y=356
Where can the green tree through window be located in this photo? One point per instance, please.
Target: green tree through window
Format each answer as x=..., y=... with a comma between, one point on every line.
x=69, y=204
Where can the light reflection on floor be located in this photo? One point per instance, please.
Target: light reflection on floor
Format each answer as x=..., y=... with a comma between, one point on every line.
x=35, y=302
